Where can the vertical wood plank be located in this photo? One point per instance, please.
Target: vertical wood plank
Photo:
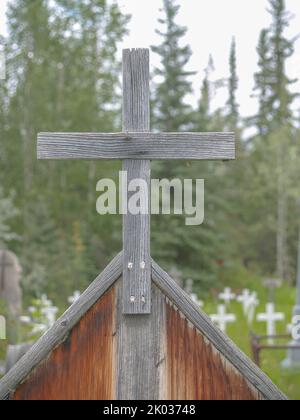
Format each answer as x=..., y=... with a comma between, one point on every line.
x=136, y=228
x=140, y=352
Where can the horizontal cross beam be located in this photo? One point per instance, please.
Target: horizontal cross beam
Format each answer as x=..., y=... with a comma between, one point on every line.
x=150, y=146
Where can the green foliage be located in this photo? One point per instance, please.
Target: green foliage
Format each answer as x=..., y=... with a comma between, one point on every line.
x=203, y=118
x=8, y=212
x=63, y=74
x=271, y=81
x=262, y=81
x=171, y=112
x=232, y=105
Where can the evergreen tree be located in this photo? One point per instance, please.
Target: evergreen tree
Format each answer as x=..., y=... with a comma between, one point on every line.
x=271, y=80
x=63, y=76
x=8, y=212
x=274, y=122
x=203, y=116
x=232, y=105
x=198, y=248
x=171, y=112
x=280, y=101
x=262, y=85
x=281, y=49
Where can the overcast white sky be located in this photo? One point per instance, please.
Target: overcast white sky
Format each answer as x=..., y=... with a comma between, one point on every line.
x=211, y=26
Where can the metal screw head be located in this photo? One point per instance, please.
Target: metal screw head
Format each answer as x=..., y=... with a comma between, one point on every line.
x=130, y=266
x=132, y=299
x=143, y=265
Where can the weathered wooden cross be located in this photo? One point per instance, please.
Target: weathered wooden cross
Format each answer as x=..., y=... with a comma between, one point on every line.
x=137, y=146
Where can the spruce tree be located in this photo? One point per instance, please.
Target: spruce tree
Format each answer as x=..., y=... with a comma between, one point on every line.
x=63, y=76
x=8, y=212
x=262, y=81
x=232, y=105
x=197, y=248
x=280, y=102
x=275, y=123
x=203, y=116
x=281, y=48
x=171, y=112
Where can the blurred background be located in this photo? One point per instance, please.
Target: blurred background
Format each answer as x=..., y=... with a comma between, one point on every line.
x=216, y=65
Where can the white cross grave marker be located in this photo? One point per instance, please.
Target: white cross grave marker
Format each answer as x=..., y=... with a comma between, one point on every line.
x=50, y=314
x=45, y=302
x=252, y=304
x=38, y=329
x=25, y=319
x=227, y=296
x=74, y=298
x=244, y=299
x=271, y=317
x=289, y=328
x=222, y=318
x=196, y=300
x=189, y=290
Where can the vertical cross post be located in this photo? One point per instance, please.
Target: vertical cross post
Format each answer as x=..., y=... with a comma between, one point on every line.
x=136, y=228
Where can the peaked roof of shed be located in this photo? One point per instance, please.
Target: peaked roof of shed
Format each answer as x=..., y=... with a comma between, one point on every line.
x=58, y=333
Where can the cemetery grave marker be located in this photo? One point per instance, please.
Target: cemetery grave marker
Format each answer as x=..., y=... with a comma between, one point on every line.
x=50, y=313
x=252, y=304
x=137, y=146
x=222, y=318
x=227, y=296
x=189, y=290
x=244, y=300
x=72, y=299
x=271, y=317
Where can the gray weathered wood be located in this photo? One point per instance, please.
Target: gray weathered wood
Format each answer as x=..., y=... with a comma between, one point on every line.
x=221, y=342
x=58, y=333
x=130, y=145
x=140, y=351
x=136, y=228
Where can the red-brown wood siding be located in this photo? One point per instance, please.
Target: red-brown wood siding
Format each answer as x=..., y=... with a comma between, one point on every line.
x=195, y=370
x=82, y=367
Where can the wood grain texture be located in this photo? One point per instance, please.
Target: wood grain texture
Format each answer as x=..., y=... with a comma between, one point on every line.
x=252, y=374
x=195, y=370
x=141, y=365
x=141, y=145
x=136, y=228
x=82, y=367
x=57, y=334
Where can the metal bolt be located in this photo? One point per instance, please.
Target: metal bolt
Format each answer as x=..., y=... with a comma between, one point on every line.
x=130, y=266
x=132, y=299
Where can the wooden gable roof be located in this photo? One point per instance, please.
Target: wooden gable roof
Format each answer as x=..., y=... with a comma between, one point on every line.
x=181, y=354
